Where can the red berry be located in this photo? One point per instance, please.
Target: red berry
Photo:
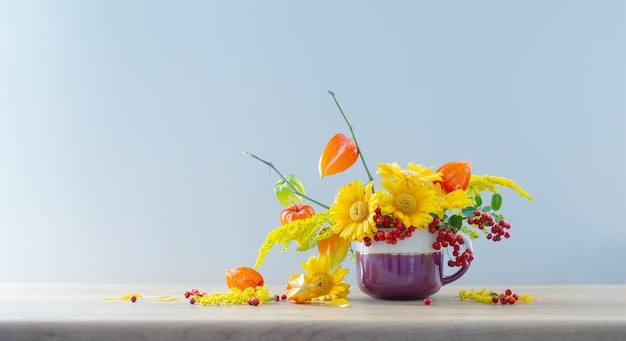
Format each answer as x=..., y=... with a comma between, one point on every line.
x=284, y=296
x=387, y=221
x=508, y=292
x=427, y=301
x=511, y=300
x=133, y=298
x=192, y=300
x=436, y=246
x=276, y=298
x=254, y=301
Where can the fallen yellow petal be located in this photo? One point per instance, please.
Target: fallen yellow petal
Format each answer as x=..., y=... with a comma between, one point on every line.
x=165, y=298
x=340, y=302
x=123, y=298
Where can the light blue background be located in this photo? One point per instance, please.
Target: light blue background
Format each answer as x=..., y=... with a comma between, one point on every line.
x=123, y=126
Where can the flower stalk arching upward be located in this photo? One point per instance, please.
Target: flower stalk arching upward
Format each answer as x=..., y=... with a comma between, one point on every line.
x=271, y=165
x=369, y=175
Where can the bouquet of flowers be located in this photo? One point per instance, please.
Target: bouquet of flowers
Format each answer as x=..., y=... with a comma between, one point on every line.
x=447, y=201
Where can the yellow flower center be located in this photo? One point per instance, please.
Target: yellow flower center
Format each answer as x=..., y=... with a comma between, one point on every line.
x=358, y=211
x=406, y=203
x=322, y=283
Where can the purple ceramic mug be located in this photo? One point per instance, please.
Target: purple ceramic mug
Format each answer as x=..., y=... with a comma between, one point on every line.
x=408, y=270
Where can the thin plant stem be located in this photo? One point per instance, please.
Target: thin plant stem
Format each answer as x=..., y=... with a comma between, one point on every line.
x=369, y=175
x=286, y=181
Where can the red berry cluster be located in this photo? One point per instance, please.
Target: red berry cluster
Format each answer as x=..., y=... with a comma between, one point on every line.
x=448, y=238
x=507, y=296
x=390, y=229
x=255, y=300
x=498, y=230
x=279, y=297
x=190, y=294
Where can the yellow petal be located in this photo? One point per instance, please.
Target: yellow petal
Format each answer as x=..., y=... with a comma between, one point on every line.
x=340, y=302
x=123, y=298
x=166, y=298
x=298, y=290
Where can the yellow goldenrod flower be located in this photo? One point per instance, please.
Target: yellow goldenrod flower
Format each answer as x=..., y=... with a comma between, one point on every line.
x=235, y=296
x=480, y=183
x=303, y=231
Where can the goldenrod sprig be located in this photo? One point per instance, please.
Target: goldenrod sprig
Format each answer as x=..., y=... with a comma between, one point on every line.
x=305, y=232
x=491, y=297
x=235, y=296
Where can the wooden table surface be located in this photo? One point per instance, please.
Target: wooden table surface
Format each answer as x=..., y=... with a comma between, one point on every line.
x=78, y=312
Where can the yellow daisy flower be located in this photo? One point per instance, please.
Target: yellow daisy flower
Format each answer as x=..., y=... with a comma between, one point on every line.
x=415, y=174
x=455, y=200
x=410, y=203
x=324, y=282
x=352, y=213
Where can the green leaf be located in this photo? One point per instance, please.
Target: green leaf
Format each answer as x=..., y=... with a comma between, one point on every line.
x=468, y=211
x=496, y=201
x=479, y=200
x=486, y=208
x=456, y=221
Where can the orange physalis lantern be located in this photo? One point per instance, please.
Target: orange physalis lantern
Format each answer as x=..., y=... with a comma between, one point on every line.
x=296, y=212
x=243, y=277
x=456, y=175
x=335, y=247
x=340, y=153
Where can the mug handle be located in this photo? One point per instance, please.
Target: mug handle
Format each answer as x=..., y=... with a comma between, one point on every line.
x=449, y=279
